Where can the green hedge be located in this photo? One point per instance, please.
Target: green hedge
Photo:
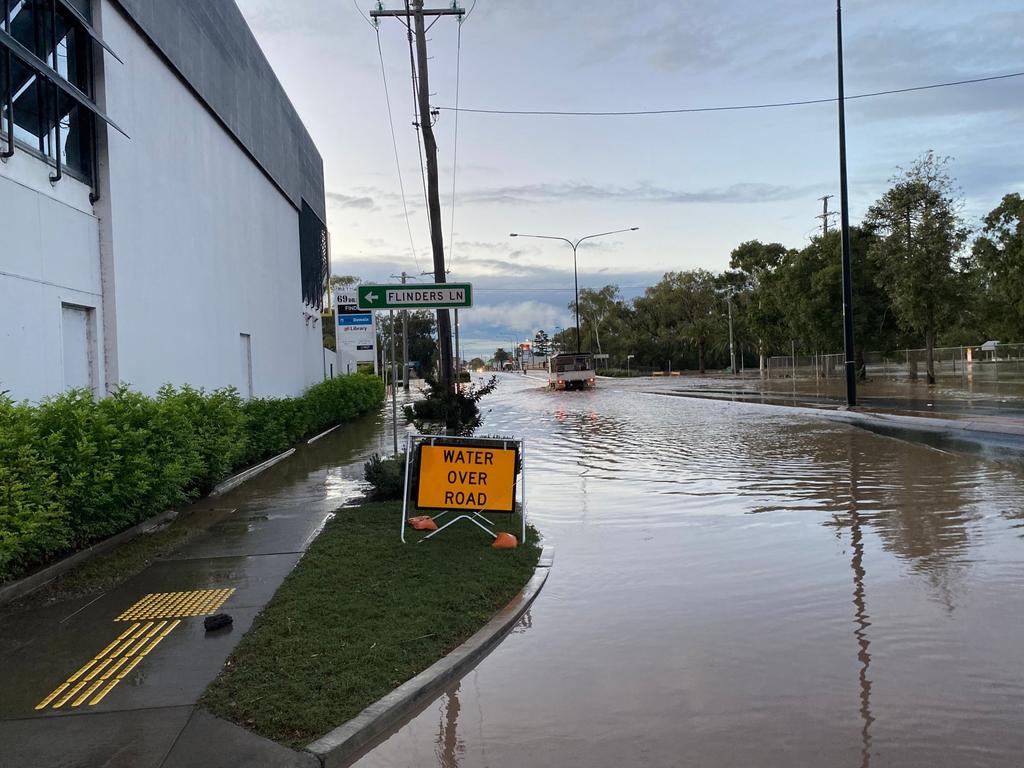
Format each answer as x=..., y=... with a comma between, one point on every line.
x=74, y=470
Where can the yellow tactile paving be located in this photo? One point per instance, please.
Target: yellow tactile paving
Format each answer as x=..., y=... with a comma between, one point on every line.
x=170, y=605
x=153, y=618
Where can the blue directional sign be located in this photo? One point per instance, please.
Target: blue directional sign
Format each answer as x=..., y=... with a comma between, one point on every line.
x=360, y=319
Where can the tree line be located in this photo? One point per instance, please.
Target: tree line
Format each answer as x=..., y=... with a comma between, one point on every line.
x=922, y=277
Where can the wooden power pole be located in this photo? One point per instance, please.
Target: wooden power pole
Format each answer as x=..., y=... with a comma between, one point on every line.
x=414, y=16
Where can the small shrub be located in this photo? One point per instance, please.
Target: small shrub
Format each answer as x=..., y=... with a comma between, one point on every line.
x=341, y=399
x=74, y=470
x=219, y=439
x=116, y=459
x=456, y=412
x=387, y=476
x=33, y=524
x=274, y=424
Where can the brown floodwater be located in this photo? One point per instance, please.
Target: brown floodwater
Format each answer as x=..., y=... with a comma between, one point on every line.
x=739, y=585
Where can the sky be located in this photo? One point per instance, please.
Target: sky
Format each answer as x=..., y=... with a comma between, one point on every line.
x=696, y=185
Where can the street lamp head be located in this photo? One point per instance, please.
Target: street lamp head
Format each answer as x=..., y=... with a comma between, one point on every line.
x=633, y=229
x=514, y=234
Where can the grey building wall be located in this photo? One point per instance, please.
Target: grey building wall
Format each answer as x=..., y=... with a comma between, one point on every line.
x=210, y=45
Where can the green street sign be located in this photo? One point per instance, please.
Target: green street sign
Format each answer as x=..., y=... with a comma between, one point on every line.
x=410, y=296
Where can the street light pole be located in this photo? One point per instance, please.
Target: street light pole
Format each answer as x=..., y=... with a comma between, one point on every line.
x=732, y=348
x=844, y=197
x=575, y=271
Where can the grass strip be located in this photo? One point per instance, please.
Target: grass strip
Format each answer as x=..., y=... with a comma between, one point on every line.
x=361, y=614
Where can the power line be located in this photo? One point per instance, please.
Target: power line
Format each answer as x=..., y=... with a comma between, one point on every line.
x=394, y=144
x=570, y=289
x=360, y=12
x=727, y=108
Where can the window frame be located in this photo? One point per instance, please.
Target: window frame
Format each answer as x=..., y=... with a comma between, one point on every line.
x=51, y=86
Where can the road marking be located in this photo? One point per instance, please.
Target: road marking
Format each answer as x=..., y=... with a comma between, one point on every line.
x=170, y=605
x=153, y=618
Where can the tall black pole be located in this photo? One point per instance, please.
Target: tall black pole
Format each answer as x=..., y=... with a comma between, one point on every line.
x=576, y=283
x=844, y=198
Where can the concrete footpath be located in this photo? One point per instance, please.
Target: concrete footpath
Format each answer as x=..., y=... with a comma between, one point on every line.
x=114, y=680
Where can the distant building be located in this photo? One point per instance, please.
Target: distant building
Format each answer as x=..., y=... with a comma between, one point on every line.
x=161, y=204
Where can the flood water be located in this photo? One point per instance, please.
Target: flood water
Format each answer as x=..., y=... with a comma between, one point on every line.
x=739, y=585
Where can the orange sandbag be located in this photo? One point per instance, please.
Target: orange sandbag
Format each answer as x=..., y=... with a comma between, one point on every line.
x=505, y=541
x=423, y=523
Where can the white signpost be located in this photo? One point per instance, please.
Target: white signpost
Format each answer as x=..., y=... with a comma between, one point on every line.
x=355, y=334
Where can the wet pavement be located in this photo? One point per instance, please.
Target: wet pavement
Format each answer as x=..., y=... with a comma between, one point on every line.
x=741, y=585
x=111, y=681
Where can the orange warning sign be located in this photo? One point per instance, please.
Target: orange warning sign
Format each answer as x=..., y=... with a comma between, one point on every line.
x=463, y=477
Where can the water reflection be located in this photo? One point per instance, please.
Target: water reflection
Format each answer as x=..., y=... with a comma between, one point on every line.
x=861, y=619
x=449, y=746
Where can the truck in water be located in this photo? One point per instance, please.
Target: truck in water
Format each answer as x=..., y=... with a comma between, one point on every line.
x=571, y=370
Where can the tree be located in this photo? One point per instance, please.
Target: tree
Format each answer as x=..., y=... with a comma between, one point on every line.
x=809, y=287
x=563, y=341
x=422, y=345
x=500, y=356
x=754, y=258
x=595, y=308
x=541, y=344
x=683, y=309
x=477, y=363
x=341, y=282
x=758, y=266
x=920, y=233
x=998, y=263
x=701, y=310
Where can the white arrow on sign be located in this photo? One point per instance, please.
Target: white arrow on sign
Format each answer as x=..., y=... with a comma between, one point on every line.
x=371, y=297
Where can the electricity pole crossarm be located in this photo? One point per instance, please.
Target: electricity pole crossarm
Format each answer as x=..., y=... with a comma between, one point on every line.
x=380, y=12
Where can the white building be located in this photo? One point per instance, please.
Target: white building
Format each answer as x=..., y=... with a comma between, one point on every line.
x=161, y=203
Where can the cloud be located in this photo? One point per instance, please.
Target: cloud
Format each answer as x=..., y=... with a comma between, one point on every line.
x=338, y=200
x=749, y=192
x=523, y=317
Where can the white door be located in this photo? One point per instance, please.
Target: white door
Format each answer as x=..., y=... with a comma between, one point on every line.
x=79, y=340
x=245, y=365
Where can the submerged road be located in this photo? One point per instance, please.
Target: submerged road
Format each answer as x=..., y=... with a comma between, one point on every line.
x=742, y=585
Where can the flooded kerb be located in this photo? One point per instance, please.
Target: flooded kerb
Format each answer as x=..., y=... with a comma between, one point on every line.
x=950, y=397
x=133, y=661
x=745, y=586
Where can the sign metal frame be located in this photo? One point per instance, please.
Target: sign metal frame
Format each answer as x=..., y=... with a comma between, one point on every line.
x=414, y=442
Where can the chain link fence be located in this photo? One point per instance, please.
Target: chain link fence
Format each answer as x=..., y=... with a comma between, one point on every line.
x=984, y=360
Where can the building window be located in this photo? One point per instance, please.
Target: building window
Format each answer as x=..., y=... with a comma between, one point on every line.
x=46, y=83
x=312, y=256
